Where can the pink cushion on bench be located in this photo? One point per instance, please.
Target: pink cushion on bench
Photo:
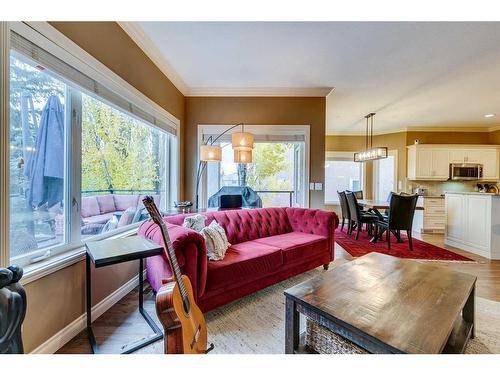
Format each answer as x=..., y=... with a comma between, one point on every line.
x=90, y=207
x=122, y=202
x=106, y=203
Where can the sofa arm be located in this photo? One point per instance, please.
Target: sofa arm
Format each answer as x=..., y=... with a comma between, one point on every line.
x=190, y=250
x=322, y=223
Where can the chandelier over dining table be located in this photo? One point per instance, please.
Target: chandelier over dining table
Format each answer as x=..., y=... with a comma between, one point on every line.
x=370, y=152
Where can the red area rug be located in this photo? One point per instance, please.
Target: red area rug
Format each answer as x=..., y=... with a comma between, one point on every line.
x=421, y=250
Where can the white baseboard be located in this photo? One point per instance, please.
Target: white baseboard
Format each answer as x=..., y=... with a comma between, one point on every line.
x=62, y=337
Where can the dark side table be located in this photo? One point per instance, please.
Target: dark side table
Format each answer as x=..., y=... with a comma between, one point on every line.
x=107, y=252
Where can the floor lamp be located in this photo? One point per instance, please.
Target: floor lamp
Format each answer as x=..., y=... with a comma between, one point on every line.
x=242, y=144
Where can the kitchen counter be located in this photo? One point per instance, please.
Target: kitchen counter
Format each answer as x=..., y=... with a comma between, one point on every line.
x=472, y=193
x=472, y=222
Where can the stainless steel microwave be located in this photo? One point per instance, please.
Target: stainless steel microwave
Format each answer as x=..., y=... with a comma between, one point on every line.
x=466, y=171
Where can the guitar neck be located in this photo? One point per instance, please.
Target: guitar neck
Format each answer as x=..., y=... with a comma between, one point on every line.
x=174, y=265
x=169, y=249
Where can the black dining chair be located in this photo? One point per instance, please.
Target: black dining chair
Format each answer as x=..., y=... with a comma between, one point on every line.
x=346, y=214
x=358, y=194
x=400, y=217
x=358, y=217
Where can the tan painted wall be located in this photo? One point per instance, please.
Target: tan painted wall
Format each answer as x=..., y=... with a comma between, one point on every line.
x=56, y=300
x=257, y=111
x=448, y=137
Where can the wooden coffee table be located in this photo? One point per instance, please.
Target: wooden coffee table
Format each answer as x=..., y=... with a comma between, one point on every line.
x=386, y=305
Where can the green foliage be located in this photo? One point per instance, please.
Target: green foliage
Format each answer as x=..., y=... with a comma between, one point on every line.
x=117, y=151
x=270, y=160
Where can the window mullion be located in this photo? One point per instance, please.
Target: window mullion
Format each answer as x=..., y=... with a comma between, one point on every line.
x=73, y=167
x=4, y=142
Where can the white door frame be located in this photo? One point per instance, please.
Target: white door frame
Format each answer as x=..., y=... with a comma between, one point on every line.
x=375, y=173
x=256, y=129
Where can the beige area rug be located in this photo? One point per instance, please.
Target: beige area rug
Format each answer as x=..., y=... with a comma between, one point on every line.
x=255, y=324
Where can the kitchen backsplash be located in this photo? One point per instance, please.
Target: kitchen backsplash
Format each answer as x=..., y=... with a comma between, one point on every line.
x=439, y=187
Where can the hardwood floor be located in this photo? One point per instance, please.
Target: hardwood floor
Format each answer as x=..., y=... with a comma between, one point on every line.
x=122, y=324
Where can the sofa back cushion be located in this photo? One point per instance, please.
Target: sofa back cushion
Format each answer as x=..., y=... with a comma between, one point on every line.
x=106, y=203
x=124, y=201
x=246, y=225
x=90, y=207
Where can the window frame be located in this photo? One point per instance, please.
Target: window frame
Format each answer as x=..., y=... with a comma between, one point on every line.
x=376, y=176
x=277, y=131
x=342, y=156
x=72, y=249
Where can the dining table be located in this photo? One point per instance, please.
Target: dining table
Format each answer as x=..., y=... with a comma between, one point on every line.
x=379, y=205
x=375, y=206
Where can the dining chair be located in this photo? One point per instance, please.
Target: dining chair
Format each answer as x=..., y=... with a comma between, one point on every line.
x=400, y=217
x=346, y=214
x=358, y=217
x=358, y=194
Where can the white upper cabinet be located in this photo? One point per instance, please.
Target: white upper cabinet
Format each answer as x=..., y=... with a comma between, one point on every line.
x=428, y=163
x=432, y=162
x=489, y=160
x=440, y=164
x=465, y=156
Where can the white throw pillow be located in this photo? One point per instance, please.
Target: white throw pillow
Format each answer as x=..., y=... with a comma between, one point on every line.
x=215, y=240
x=195, y=222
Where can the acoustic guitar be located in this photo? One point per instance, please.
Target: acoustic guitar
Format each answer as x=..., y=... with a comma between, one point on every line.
x=182, y=320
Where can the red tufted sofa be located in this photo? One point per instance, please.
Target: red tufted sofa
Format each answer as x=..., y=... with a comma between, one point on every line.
x=268, y=245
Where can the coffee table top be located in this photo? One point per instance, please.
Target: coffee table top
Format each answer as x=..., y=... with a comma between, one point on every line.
x=112, y=251
x=411, y=306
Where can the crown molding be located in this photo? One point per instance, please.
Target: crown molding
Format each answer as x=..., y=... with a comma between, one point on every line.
x=140, y=38
x=261, y=91
x=400, y=130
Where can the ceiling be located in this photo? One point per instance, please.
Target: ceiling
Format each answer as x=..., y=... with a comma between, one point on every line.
x=412, y=74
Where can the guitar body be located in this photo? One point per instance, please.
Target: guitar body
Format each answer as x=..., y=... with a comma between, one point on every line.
x=185, y=333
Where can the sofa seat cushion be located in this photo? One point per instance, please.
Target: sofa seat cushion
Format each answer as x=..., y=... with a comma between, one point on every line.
x=243, y=263
x=98, y=219
x=297, y=246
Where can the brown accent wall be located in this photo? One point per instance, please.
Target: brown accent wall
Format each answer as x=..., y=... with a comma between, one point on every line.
x=494, y=137
x=58, y=299
x=448, y=137
x=257, y=111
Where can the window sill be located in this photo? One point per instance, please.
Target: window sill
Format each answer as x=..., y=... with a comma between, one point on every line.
x=36, y=271
x=333, y=203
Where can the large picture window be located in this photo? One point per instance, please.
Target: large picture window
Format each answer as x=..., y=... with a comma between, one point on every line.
x=37, y=149
x=81, y=157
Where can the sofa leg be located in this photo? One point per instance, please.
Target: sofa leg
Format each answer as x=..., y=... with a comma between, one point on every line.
x=325, y=266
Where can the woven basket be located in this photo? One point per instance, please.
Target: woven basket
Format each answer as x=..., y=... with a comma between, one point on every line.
x=324, y=341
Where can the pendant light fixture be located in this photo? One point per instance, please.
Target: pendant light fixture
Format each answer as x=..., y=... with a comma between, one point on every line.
x=370, y=152
x=211, y=151
x=242, y=141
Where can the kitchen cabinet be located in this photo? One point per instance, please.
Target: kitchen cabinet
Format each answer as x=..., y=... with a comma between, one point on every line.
x=432, y=162
x=489, y=160
x=428, y=163
x=432, y=219
x=471, y=219
x=465, y=156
